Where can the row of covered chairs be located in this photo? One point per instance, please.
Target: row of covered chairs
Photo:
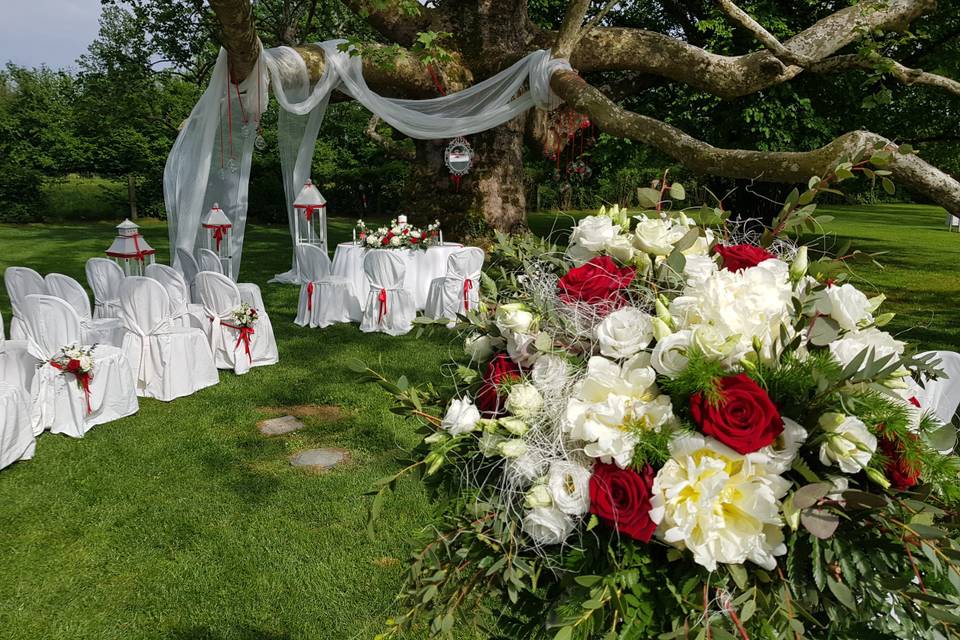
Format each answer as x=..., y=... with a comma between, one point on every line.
x=389, y=307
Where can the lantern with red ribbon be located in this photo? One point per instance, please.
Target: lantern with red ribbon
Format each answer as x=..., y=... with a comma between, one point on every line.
x=310, y=216
x=218, y=231
x=130, y=250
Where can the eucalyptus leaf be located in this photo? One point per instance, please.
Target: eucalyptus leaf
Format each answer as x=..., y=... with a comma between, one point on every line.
x=819, y=522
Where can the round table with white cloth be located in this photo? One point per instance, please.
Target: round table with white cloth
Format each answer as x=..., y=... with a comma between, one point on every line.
x=422, y=267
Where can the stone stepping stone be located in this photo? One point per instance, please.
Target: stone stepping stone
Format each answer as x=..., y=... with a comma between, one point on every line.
x=280, y=426
x=319, y=459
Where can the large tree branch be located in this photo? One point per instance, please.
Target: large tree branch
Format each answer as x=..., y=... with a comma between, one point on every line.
x=908, y=170
x=569, y=32
x=391, y=22
x=766, y=38
x=622, y=49
x=238, y=35
x=904, y=74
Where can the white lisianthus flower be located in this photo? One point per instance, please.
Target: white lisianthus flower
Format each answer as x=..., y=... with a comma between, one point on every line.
x=657, y=236
x=591, y=236
x=538, y=496
x=514, y=317
x=720, y=505
x=849, y=444
x=601, y=426
x=512, y=448
x=852, y=343
x=569, y=485
x=849, y=306
x=550, y=374
x=624, y=333
x=780, y=455
x=479, y=347
x=669, y=356
x=462, y=417
x=526, y=468
x=620, y=248
x=524, y=401
x=701, y=246
x=547, y=525
x=521, y=347
x=716, y=346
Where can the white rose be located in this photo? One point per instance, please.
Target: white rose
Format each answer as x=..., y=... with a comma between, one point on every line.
x=547, y=525
x=849, y=306
x=624, y=332
x=512, y=448
x=620, y=248
x=550, y=374
x=849, y=444
x=593, y=233
x=569, y=485
x=515, y=317
x=852, y=343
x=538, y=496
x=86, y=362
x=524, y=401
x=462, y=417
x=414, y=234
x=479, y=347
x=657, y=236
x=669, y=356
x=779, y=456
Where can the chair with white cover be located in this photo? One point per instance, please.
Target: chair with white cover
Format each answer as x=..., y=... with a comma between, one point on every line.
x=183, y=312
x=104, y=277
x=17, y=366
x=102, y=330
x=390, y=308
x=17, y=441
x=324, y=299
x=942, y=396
x=233, y=347
x=168, y=362
x=58, y=402
x=458, y=291
x=189, y=268
x=249, y=292
x=20, y=283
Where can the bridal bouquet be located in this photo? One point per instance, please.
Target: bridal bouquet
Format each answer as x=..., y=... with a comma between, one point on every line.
x=398, y=235
x=244, y=315
x=681, y=430
x=78, y=361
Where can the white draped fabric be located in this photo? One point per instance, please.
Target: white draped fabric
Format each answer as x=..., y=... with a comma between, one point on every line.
x=458, y=291
x=104, y=277
x=210, y=160
x=20, y=283
x=324, y=299
x=422, y=267
x=168, y=362
x=942, y=396
x=99, y=331
x=17, y=364
x=389, y=307
x=17, y=441
x=58, y=402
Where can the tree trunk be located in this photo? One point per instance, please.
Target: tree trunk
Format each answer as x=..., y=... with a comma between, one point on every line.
x=132, y=195
x=500, y=194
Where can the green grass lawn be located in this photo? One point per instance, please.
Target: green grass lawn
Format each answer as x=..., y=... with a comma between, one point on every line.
x=182, y=522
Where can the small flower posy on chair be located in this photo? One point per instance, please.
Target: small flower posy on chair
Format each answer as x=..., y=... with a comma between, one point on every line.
x=78, y=361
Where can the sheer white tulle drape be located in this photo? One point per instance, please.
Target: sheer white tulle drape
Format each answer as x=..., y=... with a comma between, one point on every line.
x=210, y=161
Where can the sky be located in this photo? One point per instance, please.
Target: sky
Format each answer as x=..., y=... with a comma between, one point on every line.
x=51, y=32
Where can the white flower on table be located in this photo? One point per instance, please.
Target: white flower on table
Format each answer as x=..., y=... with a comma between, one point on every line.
x=462, y=417
x=848, y=444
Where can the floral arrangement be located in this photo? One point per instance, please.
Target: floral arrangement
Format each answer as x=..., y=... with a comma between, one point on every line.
x=78, y=361
x=398, y=235
x=683, y=429
x=244, y=316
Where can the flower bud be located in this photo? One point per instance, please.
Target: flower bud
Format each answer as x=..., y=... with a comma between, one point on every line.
x=538, y=496
x=798, y=268
x=512, y=448
x=884, y=319
x=660, y=329
x=877, y=476
x=516, y=426
x=434, y=438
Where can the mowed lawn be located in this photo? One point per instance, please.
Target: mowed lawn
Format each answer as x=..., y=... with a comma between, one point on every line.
x=182, y=522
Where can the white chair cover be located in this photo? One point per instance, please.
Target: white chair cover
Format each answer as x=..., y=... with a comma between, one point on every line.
x=190, y=269
x=209, y=261
x=17, y=441
x=168, y=362
x=459, y=290
x=102, y=331
x=20, y=283
x=58, y=402
x=17, y=366
x=249, y=292
x=183, y=312
x=942, y=396
x=104, y=277
x=390, y=308
x=324, y=299
x=220, y=296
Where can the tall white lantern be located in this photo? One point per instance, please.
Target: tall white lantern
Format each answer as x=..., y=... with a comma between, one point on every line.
x=310, y=216
x=130, y=250
x=218, y=233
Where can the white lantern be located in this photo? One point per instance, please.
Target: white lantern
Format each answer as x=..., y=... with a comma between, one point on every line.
x=219, y=236
x=310, y=216
x=130, y=250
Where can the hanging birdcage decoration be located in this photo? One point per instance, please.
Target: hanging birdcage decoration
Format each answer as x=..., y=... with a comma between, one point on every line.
x=310, y=217
x=130, y=250
x=459, y=158
x=218, y=234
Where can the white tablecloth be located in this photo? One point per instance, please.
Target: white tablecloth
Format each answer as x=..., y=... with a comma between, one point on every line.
x=422, y=268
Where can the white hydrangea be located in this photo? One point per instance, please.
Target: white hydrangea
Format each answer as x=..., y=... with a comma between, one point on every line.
x=720, y=505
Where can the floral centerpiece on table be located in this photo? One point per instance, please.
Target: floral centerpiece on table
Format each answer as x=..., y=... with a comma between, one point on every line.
x=78, y=361
x=680, y=430
x=400, y=234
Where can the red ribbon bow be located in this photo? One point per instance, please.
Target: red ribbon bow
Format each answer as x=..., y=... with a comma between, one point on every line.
x=244, y=336
x=382, y=297
x=310, y=208
x=218, y=234
x=310, y=296
x=467, y=286
x=83, y=379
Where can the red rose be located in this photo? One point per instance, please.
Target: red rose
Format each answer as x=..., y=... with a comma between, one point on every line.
x=745, y=419
x=621, y=499
x=737, y=257
x=73, y=365
x=901, y=473
x=598, y=282
x=500, y=369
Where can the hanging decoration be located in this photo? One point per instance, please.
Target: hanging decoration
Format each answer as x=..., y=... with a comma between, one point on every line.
x=459, y=158
x=572, y=134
